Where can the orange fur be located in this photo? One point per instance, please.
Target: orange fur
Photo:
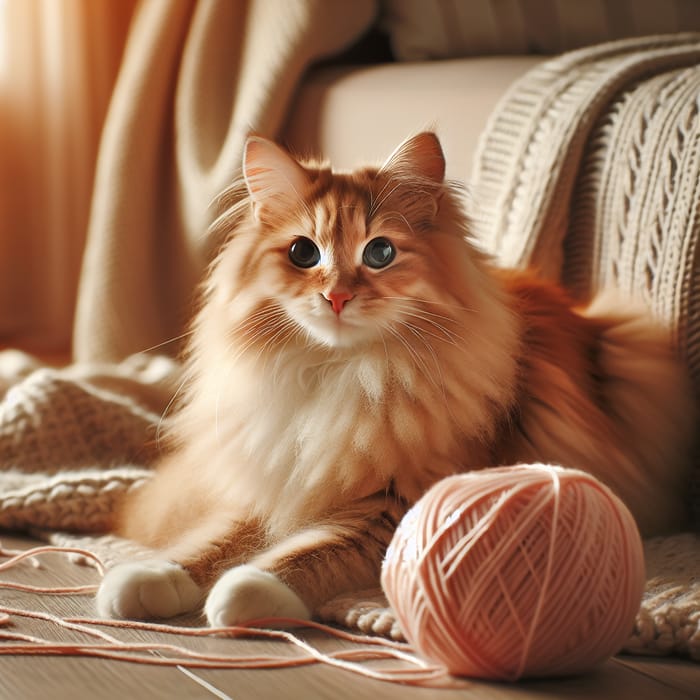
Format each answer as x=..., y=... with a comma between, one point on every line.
x=303, y=434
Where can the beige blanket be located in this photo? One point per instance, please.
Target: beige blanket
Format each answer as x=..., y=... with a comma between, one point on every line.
x=589, y=169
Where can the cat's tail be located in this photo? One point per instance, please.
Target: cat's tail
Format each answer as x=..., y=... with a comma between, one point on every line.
x=646, y=388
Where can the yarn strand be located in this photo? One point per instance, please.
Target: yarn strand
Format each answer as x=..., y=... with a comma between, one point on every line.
x=544, y=586
x=414, y=671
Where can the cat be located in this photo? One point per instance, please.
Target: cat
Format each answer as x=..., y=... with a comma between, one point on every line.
x=354, y=346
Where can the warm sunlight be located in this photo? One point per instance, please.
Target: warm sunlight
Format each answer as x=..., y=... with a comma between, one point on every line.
x=3, y=42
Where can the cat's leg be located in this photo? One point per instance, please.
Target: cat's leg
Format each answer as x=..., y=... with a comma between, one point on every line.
x=151, y=588
x=247, y=593
x=174, y=579
x=295, y=575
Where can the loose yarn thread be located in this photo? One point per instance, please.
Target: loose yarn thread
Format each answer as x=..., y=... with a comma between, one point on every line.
x=519, y=571
x=105, y=646
x=503, y=573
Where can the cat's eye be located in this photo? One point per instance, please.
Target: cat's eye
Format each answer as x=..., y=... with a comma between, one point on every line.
x=304, y=253
x=378, y=253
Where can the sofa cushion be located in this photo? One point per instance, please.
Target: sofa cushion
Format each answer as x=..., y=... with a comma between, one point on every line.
x=352, y=115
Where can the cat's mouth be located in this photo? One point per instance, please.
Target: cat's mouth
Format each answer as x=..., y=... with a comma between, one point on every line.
x=338, y=330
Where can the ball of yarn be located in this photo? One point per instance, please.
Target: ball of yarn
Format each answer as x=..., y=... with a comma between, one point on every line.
x=516, y=572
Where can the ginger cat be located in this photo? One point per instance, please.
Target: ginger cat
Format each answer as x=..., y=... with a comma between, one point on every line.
x=352, y=348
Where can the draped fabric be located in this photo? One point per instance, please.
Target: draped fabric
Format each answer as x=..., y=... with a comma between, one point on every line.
x=58, y=62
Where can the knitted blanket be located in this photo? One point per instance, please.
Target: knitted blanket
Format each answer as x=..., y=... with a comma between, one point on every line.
x=589, y=169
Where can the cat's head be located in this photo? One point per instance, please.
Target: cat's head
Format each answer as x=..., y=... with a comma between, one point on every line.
x=346, y=258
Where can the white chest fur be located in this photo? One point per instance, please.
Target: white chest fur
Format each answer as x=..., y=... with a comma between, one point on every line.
x=308, y=430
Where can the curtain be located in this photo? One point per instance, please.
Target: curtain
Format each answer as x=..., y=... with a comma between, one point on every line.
x=58, y=63
x=119, y=125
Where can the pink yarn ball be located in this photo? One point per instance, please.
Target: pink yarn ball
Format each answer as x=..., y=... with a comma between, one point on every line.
x=519, y=571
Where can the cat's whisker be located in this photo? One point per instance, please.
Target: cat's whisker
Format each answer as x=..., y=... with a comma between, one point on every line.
x=375, y=200
x=166, y=410
x=263, y=322
x=420, y=362
x=443, y=334
x=264, y=313
x=435, y=302
x=386, y=349
x=389, y=216
x=261, y=338
x=167, y=342
x=447, y=336
x=381, y=197
x=417, y=305
x=419, y=334
x=281, y=331
x=252, y=333
x=265, y=326
x=441, y=385
x=409, y=307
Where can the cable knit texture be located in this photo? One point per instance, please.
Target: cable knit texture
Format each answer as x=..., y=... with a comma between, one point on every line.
x=589, y=170
x=72, y=441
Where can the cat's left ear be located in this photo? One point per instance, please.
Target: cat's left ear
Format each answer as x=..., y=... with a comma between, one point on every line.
x=419, y=157
x=274, y=179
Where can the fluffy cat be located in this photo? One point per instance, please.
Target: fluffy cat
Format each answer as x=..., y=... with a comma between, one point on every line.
x=352, y=348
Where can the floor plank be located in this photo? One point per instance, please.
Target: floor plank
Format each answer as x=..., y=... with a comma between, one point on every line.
x=74, y=679
x=674, y=673
x=29, y=677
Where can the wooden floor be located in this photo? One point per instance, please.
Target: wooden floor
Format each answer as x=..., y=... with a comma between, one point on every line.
x=74, y=678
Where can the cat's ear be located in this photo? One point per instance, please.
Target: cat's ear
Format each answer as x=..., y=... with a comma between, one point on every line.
x=419, y=157
x=274, y=179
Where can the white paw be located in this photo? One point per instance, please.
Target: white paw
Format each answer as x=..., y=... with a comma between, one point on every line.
x=246, y=593
x=144, y=589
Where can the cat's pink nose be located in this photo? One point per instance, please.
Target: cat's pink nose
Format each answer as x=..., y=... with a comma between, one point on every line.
x=338, y=300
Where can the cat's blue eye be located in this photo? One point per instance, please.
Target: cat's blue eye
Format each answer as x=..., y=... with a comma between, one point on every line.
x=378, y=253
x=304, y=253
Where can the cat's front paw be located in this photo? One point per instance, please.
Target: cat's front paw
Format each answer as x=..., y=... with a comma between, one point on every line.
x=246, y=593
x=145, y=589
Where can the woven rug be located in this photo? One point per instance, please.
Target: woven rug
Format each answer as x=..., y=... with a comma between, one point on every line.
x=667, y=623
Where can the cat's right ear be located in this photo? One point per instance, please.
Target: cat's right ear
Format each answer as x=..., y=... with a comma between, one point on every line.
x=274, y=179
x=419, y=156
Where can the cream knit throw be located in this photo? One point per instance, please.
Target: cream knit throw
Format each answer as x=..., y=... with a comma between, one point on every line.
x=73, y=440
x=590, y=170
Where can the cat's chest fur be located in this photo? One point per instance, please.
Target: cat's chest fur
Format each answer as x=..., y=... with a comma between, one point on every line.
x=308, y=416
x=325, y=428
